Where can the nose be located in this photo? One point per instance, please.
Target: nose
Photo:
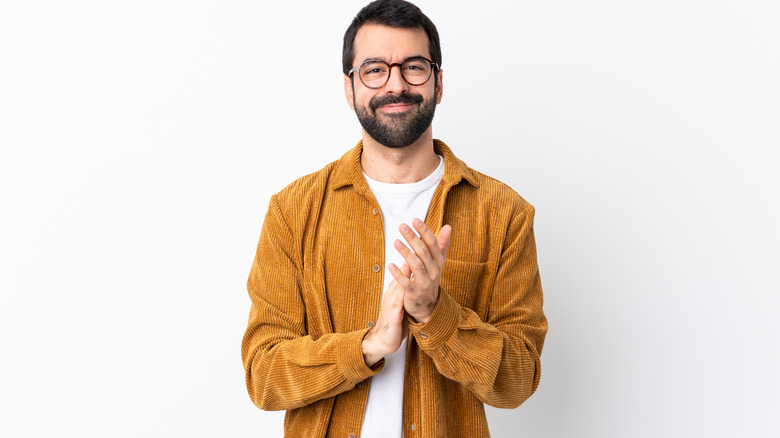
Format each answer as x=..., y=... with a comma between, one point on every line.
x=396, y=83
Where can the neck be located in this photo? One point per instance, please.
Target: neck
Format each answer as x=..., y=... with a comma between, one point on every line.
x=399, y=165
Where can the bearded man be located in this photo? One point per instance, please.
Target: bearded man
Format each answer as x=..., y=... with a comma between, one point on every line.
x=396, y=290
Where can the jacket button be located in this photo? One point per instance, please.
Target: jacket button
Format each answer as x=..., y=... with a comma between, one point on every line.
x=352, y=435
x=423, y=335
x=376, y=268
x=376, y=211
x=371, y=324
x=361, y=384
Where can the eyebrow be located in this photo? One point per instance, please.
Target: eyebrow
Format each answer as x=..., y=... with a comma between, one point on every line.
x=385, y=60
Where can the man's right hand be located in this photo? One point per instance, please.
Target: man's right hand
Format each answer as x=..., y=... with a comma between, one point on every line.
x=391, y=327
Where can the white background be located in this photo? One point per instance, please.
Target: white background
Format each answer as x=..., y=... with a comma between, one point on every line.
x=142, y=140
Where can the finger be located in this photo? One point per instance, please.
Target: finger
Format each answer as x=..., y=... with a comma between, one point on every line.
x=398, y=297
x=412, y=259
x=388, y=295
x=418, y=246
x=402, y=280
x=406, y=270
x=443, y=240
x=427, y=236
x=393, y=300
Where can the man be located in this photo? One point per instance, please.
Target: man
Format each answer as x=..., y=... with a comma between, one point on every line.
x=367, y=321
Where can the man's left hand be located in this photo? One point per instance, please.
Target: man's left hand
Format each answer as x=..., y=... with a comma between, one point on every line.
x=426, y=260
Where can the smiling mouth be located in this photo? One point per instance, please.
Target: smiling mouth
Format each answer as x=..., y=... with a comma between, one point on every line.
x=396, y=107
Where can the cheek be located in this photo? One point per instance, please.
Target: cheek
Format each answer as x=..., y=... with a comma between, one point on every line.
x=362, y=99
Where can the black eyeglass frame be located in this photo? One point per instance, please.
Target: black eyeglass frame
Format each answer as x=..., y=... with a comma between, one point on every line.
x=434, y=68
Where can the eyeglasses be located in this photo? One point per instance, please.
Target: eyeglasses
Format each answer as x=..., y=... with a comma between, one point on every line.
x=375, y=73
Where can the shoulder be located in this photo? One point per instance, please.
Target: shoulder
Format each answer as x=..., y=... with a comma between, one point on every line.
x=304, y=189
x=500, y=195
x=298, y=199
x=301, y=201
x=475, y=188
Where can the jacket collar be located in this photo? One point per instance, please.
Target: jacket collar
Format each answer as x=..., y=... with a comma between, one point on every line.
x=349, y=172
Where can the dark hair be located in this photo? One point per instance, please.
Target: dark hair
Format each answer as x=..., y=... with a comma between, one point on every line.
x=392, y=13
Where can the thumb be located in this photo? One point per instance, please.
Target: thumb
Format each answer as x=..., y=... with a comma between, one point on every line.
x=395, y=295
x=443, y=239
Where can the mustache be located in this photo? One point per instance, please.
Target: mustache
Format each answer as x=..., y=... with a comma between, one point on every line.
x=390, y=99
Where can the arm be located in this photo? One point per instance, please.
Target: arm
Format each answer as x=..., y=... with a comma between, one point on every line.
x=497, y=359
x=287, y=368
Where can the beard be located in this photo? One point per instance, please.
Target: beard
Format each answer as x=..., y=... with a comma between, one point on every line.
x=397, y=130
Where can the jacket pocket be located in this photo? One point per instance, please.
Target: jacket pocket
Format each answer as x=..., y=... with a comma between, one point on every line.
x=461, y=280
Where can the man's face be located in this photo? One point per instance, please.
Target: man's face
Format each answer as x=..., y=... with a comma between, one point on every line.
x=397, y=114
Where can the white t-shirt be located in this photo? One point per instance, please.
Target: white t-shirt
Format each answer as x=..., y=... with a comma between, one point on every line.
x=399, y=203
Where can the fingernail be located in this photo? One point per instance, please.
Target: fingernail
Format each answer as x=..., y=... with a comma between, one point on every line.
x=398, y=244
x=405, y=228
x=417, y=222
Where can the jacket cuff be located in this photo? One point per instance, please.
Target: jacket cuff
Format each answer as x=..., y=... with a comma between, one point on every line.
x=351, y=361
x=440, y=326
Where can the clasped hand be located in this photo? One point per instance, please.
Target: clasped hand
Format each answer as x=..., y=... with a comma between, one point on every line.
x=414, y=289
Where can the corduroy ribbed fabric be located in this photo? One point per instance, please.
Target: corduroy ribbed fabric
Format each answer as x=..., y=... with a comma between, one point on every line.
x=316, y=285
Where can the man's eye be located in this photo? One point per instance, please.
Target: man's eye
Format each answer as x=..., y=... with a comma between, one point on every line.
x=374, y=71
x=415, y=67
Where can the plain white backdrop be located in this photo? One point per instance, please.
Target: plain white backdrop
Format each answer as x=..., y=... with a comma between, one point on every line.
x=141, y=142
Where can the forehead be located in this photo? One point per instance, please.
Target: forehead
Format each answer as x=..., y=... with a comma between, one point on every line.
x=390, y=44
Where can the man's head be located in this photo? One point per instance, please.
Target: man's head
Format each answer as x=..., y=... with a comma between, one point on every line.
x=391, y=13
x=395, y=113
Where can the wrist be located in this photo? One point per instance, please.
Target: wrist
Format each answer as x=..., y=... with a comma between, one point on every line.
x=420, y=319
x=424, y=313
x=371, y=352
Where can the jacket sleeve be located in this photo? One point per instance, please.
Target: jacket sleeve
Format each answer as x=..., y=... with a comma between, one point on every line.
x=285, y=367
x=497, y=359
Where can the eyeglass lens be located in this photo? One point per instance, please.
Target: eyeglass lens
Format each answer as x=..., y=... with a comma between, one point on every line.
x=416, y=71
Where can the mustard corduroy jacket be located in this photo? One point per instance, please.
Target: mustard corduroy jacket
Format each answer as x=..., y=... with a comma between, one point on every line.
x=316, y=285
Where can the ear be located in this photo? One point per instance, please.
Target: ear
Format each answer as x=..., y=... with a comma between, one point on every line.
x=440, y=86
x=349, y=92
